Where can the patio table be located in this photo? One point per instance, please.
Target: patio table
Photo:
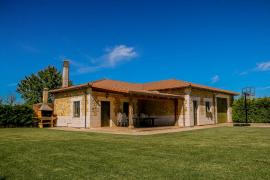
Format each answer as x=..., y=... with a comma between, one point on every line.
x=145, y=120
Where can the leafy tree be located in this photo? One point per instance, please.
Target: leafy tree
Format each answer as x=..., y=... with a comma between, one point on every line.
x=11, y=99
x=16, y=116
x=258, y=110
x=32, y=86
x=1, y=100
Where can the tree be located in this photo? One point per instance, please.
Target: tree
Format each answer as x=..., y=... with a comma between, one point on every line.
x=32, y=86
x=1, y=100
x=11, y=99
x=258, y=110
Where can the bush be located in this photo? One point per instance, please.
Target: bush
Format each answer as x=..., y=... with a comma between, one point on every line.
x=16, y=116
x=258, y=110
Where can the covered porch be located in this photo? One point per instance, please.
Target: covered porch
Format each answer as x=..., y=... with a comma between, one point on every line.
x=144, y=109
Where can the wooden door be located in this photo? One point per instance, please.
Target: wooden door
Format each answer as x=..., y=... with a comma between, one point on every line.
x=195, y=112
x=222, y=110
x=105, y=113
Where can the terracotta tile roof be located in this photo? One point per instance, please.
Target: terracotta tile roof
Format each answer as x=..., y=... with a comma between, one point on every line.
x=173, y=83
x=116, y=85
x=126, y=87
x=213, y=89
x=69, y=88
x=165, y=84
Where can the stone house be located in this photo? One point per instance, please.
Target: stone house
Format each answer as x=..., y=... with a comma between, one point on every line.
x=165, y=103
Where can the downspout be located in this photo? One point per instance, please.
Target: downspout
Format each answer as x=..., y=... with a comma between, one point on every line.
x=214, y=104
x=85, y=110
x=90, y=85
x=85, y=105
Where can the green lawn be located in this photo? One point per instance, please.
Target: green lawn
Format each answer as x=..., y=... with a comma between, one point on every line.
x=218, y=153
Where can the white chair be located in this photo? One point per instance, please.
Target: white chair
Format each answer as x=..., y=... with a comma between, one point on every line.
x=124, y=120
x=119, y=119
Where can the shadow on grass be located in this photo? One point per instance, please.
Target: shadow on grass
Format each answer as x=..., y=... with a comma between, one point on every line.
x=3, y=177
x=241, y=124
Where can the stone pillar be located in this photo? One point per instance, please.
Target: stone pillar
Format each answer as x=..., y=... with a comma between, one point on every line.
x=215, y=108
x=181, y=120
x=181, y=113
x=130, y=114
x=176, y=112
x=188, y=109
x=45, y=95
x=229, y=109
x=88, y=107
x=65, y=75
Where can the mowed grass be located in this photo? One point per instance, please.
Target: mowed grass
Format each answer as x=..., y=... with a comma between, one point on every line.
x=217, y=153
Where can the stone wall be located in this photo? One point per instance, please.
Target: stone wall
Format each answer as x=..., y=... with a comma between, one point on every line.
x=201, y=96
x=63, y=108
x=165, y=110
x=116, y=103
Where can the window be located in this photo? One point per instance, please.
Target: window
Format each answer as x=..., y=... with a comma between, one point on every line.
x=76, y=109
x=207, y=107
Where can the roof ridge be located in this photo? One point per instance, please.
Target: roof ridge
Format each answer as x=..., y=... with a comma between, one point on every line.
x=161, y=80
x=91, y=82
x=123, y=81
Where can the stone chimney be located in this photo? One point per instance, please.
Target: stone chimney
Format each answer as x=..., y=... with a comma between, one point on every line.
x=65, y=76
x=45, y=96
x=44, y=106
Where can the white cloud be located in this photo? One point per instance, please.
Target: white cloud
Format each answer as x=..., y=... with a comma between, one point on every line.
x=112, y=57
x=215, y=79
x=118, y=54
x=264, y=88
x=243, y=73
x=264, y=66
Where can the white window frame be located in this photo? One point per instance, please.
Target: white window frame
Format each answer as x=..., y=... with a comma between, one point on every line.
x=74, y=109
x=73, y=99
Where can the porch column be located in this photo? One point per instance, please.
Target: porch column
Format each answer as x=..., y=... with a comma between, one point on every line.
x=176, y=112
x=130, y=114
x=215, y=108
x=229, y=109
x=188, y=109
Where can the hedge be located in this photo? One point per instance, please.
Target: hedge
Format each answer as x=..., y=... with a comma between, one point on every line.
x=258, y=110
x=16, y=116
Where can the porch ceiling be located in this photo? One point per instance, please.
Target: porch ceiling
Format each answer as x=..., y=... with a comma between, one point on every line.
x=142, y=93
x=156, y=94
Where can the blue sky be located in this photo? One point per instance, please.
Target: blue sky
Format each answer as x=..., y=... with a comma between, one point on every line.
x=225, y=44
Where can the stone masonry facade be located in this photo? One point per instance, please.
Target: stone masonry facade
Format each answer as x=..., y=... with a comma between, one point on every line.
x=169, y=112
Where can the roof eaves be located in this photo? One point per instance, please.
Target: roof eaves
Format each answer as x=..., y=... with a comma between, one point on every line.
x=70, y=88
x=151, y=93
x=216, y=90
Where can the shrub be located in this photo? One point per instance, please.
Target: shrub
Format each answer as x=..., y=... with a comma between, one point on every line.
x=16, y=116
x=258, y=110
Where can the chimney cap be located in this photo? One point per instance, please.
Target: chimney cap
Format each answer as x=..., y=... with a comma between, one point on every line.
x=66, y=63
